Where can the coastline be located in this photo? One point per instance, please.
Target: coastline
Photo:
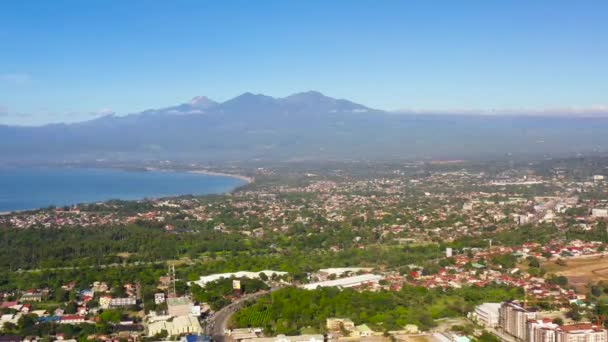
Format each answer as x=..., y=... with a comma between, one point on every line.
x=249, y=180
x=246, y=179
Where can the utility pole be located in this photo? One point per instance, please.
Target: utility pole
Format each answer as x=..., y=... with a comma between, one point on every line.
x=173, y=279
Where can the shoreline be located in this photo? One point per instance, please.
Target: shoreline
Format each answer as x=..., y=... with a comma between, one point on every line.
x=246, y=179
x=249, y=180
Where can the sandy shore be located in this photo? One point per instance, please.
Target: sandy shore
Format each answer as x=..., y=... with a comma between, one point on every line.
x=211, y=173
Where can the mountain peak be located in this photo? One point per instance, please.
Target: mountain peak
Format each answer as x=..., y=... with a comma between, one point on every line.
x=314, y=101
x=250, y=98
x=311, y=95
x=250, y=95
x=202, y=102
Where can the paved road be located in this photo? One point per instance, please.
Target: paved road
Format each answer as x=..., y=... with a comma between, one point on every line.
x=504, y=337
x=217, y=323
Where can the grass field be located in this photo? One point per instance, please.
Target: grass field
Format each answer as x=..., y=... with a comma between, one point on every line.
x=580, y=271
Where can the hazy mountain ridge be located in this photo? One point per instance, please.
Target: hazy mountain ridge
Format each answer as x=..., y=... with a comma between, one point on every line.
x=303, y=125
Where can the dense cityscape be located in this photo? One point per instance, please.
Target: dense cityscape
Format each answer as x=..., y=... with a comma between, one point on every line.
x=303, y=171
x=416, y=251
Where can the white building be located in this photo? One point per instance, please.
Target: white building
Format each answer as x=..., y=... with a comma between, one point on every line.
x=522, y=219
x=122, y=302
x=599, y=212
x=582, y=332
x=104, y=302
x=486, y=314
x=448, y=252
x=202, y=282
x=159, y=298
x=513, y=319
x=180, y=306
x=359, y=280
x=283, y=338
x=72, y=319
x=541, y=330
x=179, y=325
x=325, y=273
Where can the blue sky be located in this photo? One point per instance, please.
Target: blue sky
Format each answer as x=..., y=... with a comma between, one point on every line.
x=74, y=60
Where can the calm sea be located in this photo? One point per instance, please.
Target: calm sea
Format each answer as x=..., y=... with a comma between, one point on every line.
x=31, y=188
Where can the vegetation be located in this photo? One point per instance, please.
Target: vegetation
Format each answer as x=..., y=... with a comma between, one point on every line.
x=216, y=293
x=289, y=310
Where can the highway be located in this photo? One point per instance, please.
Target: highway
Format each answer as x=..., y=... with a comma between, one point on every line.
x=217, y=323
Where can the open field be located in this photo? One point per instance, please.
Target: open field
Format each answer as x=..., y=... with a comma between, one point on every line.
x=416, y=338
x=580, y=271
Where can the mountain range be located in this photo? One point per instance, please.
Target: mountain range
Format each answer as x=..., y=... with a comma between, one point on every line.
x=302, y=126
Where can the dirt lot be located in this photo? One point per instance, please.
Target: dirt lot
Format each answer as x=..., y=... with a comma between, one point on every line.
x=580, y=271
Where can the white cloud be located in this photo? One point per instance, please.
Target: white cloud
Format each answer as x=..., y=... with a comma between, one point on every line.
x=16, y=78
x=3, y=111
x=599, y=110
x=103, y=112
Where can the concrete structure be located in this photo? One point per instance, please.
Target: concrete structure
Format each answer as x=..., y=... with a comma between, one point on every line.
x=326, y=273
x=179, y=325
x=448, y=252
x=513, y=319
x=360, y=280
x=486, y=314
x=283, y=338
x=32, y=297
x=460, y=338
x=159, y=298
x=599, y=212
x=71, y=319
x=411, y=329
x=202, y=282
x=364, y=331
x=522, y=219
x=104, y=302
x=541, y=330
x=180, y=306
x=337, y=324
x=584, y=332
x=122, y=302
x=242, y=334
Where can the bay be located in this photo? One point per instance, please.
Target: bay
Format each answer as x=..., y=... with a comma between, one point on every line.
x=32, y=188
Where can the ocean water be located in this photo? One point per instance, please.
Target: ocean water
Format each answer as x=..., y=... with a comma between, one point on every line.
x=32, y=188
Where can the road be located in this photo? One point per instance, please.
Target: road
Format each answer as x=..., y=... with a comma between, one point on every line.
x=217, y=323
x=504, y=337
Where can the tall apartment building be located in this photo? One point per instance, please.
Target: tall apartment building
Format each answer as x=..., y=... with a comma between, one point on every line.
x=513, y=319
x=584, y=332
x=486, y=314
x=541, y=330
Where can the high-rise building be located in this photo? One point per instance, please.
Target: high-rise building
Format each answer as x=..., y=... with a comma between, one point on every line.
x=584, y=332
x=541, y=330
x=486, y=314
x=513, y=319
